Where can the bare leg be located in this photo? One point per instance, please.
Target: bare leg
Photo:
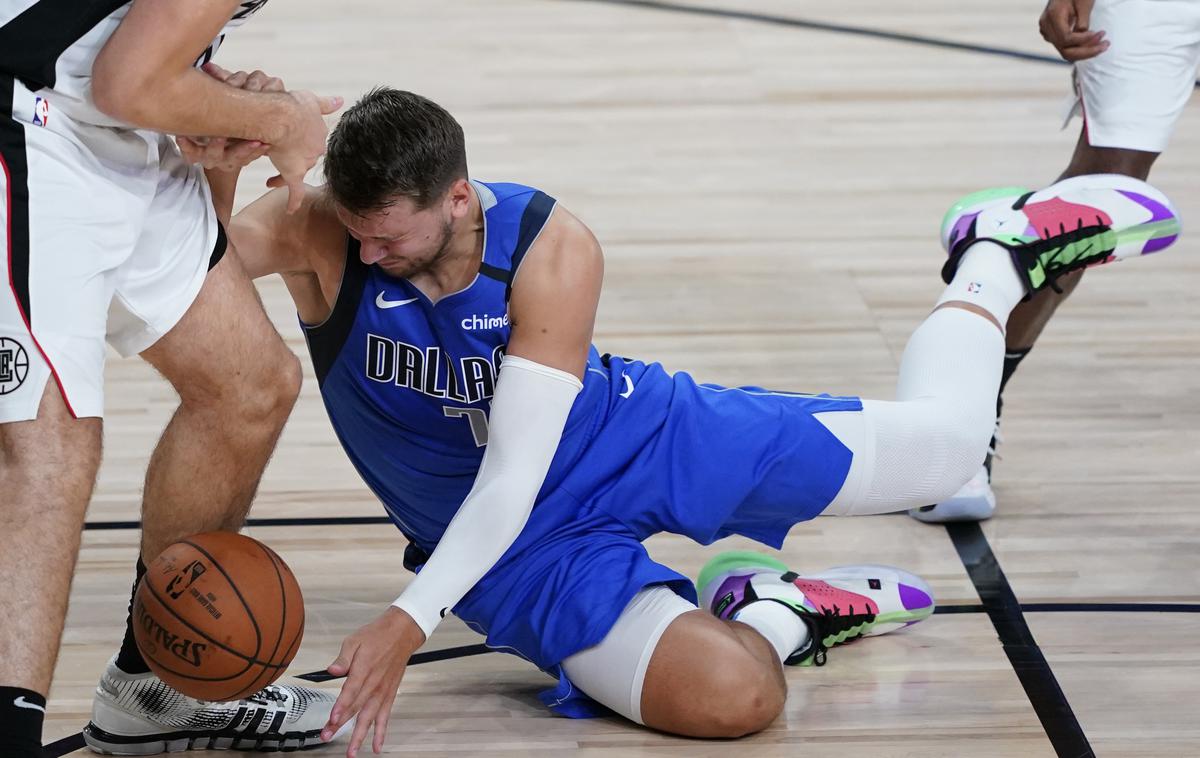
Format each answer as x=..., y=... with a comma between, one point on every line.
x=684, y=694
x=237, y=383
x=1028, y=320
x=47, y=472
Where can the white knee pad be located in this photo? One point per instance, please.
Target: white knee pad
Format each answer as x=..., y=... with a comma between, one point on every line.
x=612, y=672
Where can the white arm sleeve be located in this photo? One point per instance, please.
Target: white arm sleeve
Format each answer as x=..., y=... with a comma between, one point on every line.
x=529, y=410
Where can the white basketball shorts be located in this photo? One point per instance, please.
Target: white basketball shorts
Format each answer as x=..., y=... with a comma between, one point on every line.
x=1131, y=95
x=108, y=234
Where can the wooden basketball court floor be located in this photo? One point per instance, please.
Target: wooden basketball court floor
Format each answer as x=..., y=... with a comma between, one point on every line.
x=768, y=194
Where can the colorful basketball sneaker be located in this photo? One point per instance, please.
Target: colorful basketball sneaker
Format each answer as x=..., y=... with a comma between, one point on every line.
x=138, y=714
x=838, y=605
x=1078, y=222
x=958, y=223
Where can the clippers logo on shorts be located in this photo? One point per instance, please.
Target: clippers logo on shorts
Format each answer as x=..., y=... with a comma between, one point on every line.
x=41, y=111
x=14, y=365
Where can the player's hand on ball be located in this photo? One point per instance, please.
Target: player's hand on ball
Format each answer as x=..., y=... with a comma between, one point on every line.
x=373, y=660
x=1064, y=24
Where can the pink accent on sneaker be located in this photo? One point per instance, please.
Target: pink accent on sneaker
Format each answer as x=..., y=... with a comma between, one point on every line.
x=825, y=597
x=1054, y=216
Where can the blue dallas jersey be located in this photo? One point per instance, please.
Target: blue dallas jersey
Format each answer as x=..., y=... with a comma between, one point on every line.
x=408, y=385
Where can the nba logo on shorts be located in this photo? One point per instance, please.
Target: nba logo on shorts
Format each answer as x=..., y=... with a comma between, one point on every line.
x=14, y=365
x=41, y=111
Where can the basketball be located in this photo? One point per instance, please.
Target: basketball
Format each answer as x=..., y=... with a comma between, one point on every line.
x=218, y=616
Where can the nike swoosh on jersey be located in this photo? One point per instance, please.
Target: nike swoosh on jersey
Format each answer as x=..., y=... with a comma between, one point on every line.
x=383, y=302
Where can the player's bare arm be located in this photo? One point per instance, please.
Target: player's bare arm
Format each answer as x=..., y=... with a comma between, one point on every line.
x=553, y=311
x=305, y=248
x=227, y=153
x=553, y=307
x=145, y=76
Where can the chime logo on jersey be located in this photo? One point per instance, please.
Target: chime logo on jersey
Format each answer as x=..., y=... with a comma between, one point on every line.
x=478, y=323
x=430, y=371
x=41, y=111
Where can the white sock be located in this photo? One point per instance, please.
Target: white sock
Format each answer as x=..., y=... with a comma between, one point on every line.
x=777, y=623
x=958, y=354
x=986, y=277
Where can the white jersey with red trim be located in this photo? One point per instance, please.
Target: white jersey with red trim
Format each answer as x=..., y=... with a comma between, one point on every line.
x=53, y=44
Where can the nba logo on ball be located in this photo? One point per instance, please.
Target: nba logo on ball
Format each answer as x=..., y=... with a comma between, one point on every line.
x=41, y=111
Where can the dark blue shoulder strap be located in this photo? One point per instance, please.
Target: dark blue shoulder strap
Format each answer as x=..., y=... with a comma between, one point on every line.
x=325, y=340
x=533, y=220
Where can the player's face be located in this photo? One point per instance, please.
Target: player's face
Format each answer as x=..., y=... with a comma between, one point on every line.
x=402, y=239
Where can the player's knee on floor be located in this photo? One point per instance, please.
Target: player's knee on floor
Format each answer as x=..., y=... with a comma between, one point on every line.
x=744, y=701
x=724, y=697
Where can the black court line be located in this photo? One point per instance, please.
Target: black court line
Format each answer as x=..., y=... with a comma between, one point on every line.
x=958, y=608
x=1030, y=665
x=1110, y=607
x=824, y=26
x=298, y=521
x=64, y=746
x=857, y=31
x=433, y=655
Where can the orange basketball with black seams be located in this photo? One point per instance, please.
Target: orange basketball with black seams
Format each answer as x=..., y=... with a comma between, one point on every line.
x=218, y=616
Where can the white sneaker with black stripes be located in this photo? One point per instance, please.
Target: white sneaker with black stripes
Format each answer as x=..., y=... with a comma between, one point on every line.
x=139, y=714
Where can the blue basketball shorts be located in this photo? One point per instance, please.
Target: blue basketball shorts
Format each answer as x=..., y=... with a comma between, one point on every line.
x=668, y=455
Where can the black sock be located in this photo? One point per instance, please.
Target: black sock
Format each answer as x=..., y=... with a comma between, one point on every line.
x=21, y=715
x=1012, y=359
x=130, y=659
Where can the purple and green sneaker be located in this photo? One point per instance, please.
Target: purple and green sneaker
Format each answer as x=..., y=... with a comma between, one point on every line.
x=1078, y=222
x=838, y=605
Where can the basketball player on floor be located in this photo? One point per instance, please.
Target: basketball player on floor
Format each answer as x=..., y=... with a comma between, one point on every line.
x=450, y=321
x=1135, y=68
x=109, y=233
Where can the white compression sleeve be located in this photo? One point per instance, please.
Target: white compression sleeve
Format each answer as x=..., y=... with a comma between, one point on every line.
x=529, y=410
x=920, y=448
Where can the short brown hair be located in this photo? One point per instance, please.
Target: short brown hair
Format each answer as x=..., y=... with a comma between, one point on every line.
x=393, y=144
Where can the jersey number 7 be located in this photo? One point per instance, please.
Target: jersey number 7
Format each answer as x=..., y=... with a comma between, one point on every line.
x=477, y=418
